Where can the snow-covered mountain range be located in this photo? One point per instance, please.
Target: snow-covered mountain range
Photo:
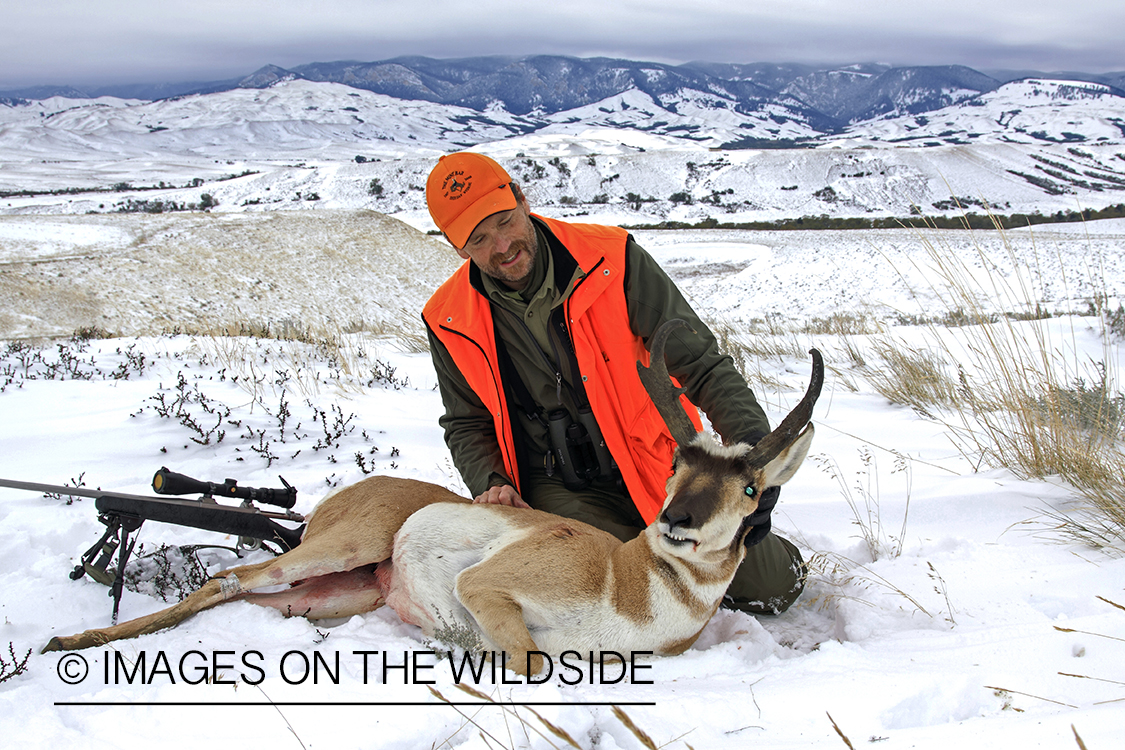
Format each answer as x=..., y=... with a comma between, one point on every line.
x=829, y=98
x=628, y=142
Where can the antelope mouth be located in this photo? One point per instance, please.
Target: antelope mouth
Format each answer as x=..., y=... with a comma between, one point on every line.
x=676, y=540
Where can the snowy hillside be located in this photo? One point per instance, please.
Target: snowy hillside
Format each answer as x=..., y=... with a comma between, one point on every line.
x=944, y=608
x=1032, y=146
x=692, y=117
x=632, y=179
x=865, y=92
x=359, y=270
x=293, y=116
x=1030, y=111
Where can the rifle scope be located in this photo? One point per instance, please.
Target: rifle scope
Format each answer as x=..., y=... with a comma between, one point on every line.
x=167, y=482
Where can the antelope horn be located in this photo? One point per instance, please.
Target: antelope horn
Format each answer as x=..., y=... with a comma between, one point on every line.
x=769, y=447
x=664, y=395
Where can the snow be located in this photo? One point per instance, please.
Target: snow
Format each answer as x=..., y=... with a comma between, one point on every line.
x=1027, y=111
x=942, y=609
x=43, y=239
x=986, y=630
x=1042, y=145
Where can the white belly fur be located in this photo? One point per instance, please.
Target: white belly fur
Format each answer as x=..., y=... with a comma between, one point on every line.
x=438, y=542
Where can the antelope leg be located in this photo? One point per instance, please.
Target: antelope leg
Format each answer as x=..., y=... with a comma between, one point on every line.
x=500, y=617
x=215, y=591
x=352, y=592
x=308, y=560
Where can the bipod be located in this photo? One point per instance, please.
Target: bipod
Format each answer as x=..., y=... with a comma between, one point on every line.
x=123, y=514
x=115, y=539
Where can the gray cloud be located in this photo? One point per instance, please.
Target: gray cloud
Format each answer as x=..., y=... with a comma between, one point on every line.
x=87, y=42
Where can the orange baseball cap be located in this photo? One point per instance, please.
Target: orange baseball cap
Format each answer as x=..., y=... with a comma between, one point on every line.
x=463, y=190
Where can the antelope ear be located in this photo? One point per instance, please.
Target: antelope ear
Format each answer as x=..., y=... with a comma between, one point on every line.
x=782, y=468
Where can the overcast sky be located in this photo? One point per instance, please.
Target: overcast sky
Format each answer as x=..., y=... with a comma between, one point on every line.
x=92, y=42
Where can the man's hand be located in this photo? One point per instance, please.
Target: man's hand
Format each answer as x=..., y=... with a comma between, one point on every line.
x=504, y=494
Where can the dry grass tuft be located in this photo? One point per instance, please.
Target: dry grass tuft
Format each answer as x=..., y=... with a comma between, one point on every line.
x=834, y=578
x=746, y=346
x=913, y=377
x=843, y=324
x=840, y=732
x=634, y=729
x=528, y=728
x=864, y=498
x=512, y=710
x=749, y=348
x=1024, y=400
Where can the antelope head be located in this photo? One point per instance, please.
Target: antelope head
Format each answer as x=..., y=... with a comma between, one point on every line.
x=715, y=488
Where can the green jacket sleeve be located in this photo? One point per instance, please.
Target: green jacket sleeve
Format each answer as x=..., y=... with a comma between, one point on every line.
x=711, y=379
x=469, y=430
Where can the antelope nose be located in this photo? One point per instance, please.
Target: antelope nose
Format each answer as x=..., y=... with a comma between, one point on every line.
x=676, y=518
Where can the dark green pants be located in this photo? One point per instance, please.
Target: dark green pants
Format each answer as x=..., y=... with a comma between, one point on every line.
x=769, y=580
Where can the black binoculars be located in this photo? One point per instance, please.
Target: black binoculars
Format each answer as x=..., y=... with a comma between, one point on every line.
x=579, y=450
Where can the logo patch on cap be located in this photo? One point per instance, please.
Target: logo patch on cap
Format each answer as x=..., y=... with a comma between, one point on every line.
x=456, y=185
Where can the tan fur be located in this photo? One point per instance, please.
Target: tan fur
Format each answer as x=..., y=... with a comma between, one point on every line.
x=629, y=591
x=675, y=648
x=505, y=572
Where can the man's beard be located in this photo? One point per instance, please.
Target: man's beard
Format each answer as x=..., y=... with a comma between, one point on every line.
x=517, y=276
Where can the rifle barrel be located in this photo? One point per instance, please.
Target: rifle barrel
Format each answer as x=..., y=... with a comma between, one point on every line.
x=177, y=502
x=62, y=490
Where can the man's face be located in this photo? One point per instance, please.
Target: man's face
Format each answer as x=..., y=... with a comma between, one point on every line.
x=503, y=246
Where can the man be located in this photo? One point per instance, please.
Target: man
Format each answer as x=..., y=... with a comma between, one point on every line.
x=535, y=343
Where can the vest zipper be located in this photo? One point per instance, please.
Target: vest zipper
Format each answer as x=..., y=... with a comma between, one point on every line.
x=501, y=398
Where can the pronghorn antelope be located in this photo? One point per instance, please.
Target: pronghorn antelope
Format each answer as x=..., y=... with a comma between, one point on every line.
x=522, y=580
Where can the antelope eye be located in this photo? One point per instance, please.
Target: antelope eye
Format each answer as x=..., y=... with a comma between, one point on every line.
x=750, y=491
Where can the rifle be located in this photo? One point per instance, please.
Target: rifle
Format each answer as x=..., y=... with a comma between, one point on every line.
x=123, y=515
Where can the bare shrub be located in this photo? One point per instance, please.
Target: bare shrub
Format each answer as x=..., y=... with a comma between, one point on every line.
x=168, y=571
x=16, y=666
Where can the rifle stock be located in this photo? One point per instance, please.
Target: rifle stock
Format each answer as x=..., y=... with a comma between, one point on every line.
x=246, y=522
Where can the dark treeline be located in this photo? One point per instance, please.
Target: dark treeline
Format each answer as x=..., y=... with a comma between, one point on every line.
x=963, y=221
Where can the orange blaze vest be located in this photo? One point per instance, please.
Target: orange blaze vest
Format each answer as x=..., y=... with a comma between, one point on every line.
x=606, y=350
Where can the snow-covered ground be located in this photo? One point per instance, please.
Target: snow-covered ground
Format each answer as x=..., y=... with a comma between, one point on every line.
x=1026, y=111
x=143, y=274
x=1032, y=146
x=985, y=630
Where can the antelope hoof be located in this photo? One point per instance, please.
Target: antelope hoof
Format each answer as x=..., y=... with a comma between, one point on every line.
x=527, y=663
